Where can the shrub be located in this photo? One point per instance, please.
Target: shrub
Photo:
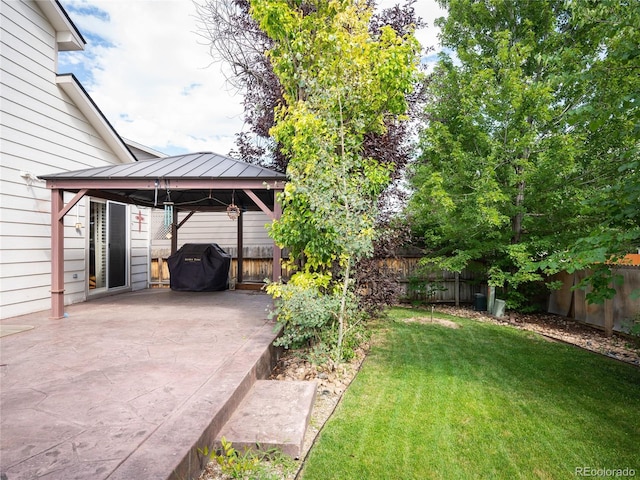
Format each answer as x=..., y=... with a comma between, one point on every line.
x=307, y=311
x=303, y=312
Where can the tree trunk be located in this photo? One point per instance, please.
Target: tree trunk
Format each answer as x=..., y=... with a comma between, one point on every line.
x=342, y=314
x=516, y=220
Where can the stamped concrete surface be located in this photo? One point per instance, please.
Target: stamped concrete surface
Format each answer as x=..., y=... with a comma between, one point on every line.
x=125, y=386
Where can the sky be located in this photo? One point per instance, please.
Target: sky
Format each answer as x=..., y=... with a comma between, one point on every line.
x=152, y=75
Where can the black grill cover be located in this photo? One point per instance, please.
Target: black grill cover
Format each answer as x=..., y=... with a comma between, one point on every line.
x=199, y=267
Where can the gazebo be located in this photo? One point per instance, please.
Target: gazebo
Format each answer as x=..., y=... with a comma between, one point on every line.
x=196, y=182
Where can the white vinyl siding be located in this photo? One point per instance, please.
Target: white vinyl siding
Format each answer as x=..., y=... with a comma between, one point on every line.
x=42, y=132
x=140, y=259
x=209, y=227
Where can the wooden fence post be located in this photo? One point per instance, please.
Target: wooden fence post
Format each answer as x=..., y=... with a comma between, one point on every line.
x=608, y=317
x=457, y=287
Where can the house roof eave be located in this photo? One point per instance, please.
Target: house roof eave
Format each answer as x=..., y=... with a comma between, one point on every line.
x=70, y=85
x=68, y=37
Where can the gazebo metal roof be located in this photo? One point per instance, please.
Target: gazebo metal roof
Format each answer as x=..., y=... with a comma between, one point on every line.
x=192, y=165
x=193, y=182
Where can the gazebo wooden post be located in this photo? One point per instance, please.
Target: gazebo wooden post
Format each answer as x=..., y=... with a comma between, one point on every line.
x=240, y=248
x=174, y=232
x=57, y=254
x=58, y=211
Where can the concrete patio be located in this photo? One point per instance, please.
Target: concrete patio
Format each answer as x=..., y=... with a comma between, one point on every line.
x=128, y=386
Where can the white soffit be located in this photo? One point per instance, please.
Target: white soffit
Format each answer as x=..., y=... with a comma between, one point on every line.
x=68, y=37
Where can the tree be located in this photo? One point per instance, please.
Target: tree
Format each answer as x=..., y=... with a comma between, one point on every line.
x=236, y=40
x=525, y=137
x=608, y=118
x=492, y=183
x=339, y=84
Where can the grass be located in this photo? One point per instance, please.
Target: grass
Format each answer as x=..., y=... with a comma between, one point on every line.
x=481, y=401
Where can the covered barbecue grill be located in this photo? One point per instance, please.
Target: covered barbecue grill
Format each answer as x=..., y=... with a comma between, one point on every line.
x=199, y=267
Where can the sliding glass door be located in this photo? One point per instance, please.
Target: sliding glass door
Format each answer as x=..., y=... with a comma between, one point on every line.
x=108, y=258
x=117, y=245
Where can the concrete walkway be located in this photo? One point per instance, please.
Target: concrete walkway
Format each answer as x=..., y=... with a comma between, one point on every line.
x=126, y=386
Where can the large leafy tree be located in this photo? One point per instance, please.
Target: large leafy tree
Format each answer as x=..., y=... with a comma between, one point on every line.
x=491, y=184
x=608, y=119
x=340, y=83
x=524, y=133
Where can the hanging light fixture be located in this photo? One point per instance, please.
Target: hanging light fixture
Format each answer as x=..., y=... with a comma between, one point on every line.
x=233, y=211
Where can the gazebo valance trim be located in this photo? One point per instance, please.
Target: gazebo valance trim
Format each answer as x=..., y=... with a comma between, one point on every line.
x=162, y=183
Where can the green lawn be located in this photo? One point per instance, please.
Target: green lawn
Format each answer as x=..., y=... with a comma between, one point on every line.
x=479, y=402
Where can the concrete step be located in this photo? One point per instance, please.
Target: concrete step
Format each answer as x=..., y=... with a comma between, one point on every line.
x=274, y=414
x=195, y=425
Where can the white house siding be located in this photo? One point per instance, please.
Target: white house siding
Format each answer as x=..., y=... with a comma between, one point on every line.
x=42, y=131
x=207, y=227
x=143, y=153
x=140, y=259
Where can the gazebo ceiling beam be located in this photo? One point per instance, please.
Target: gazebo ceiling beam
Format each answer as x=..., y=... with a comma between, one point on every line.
x=116, y=197
x=184, y=220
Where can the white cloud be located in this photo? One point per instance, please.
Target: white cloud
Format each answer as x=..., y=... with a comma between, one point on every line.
x=153, y=78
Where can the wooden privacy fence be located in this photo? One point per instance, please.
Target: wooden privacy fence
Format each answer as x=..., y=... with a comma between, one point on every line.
x=617, y=314
x=449, y=287
x=257, y=265
x=439, y=287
